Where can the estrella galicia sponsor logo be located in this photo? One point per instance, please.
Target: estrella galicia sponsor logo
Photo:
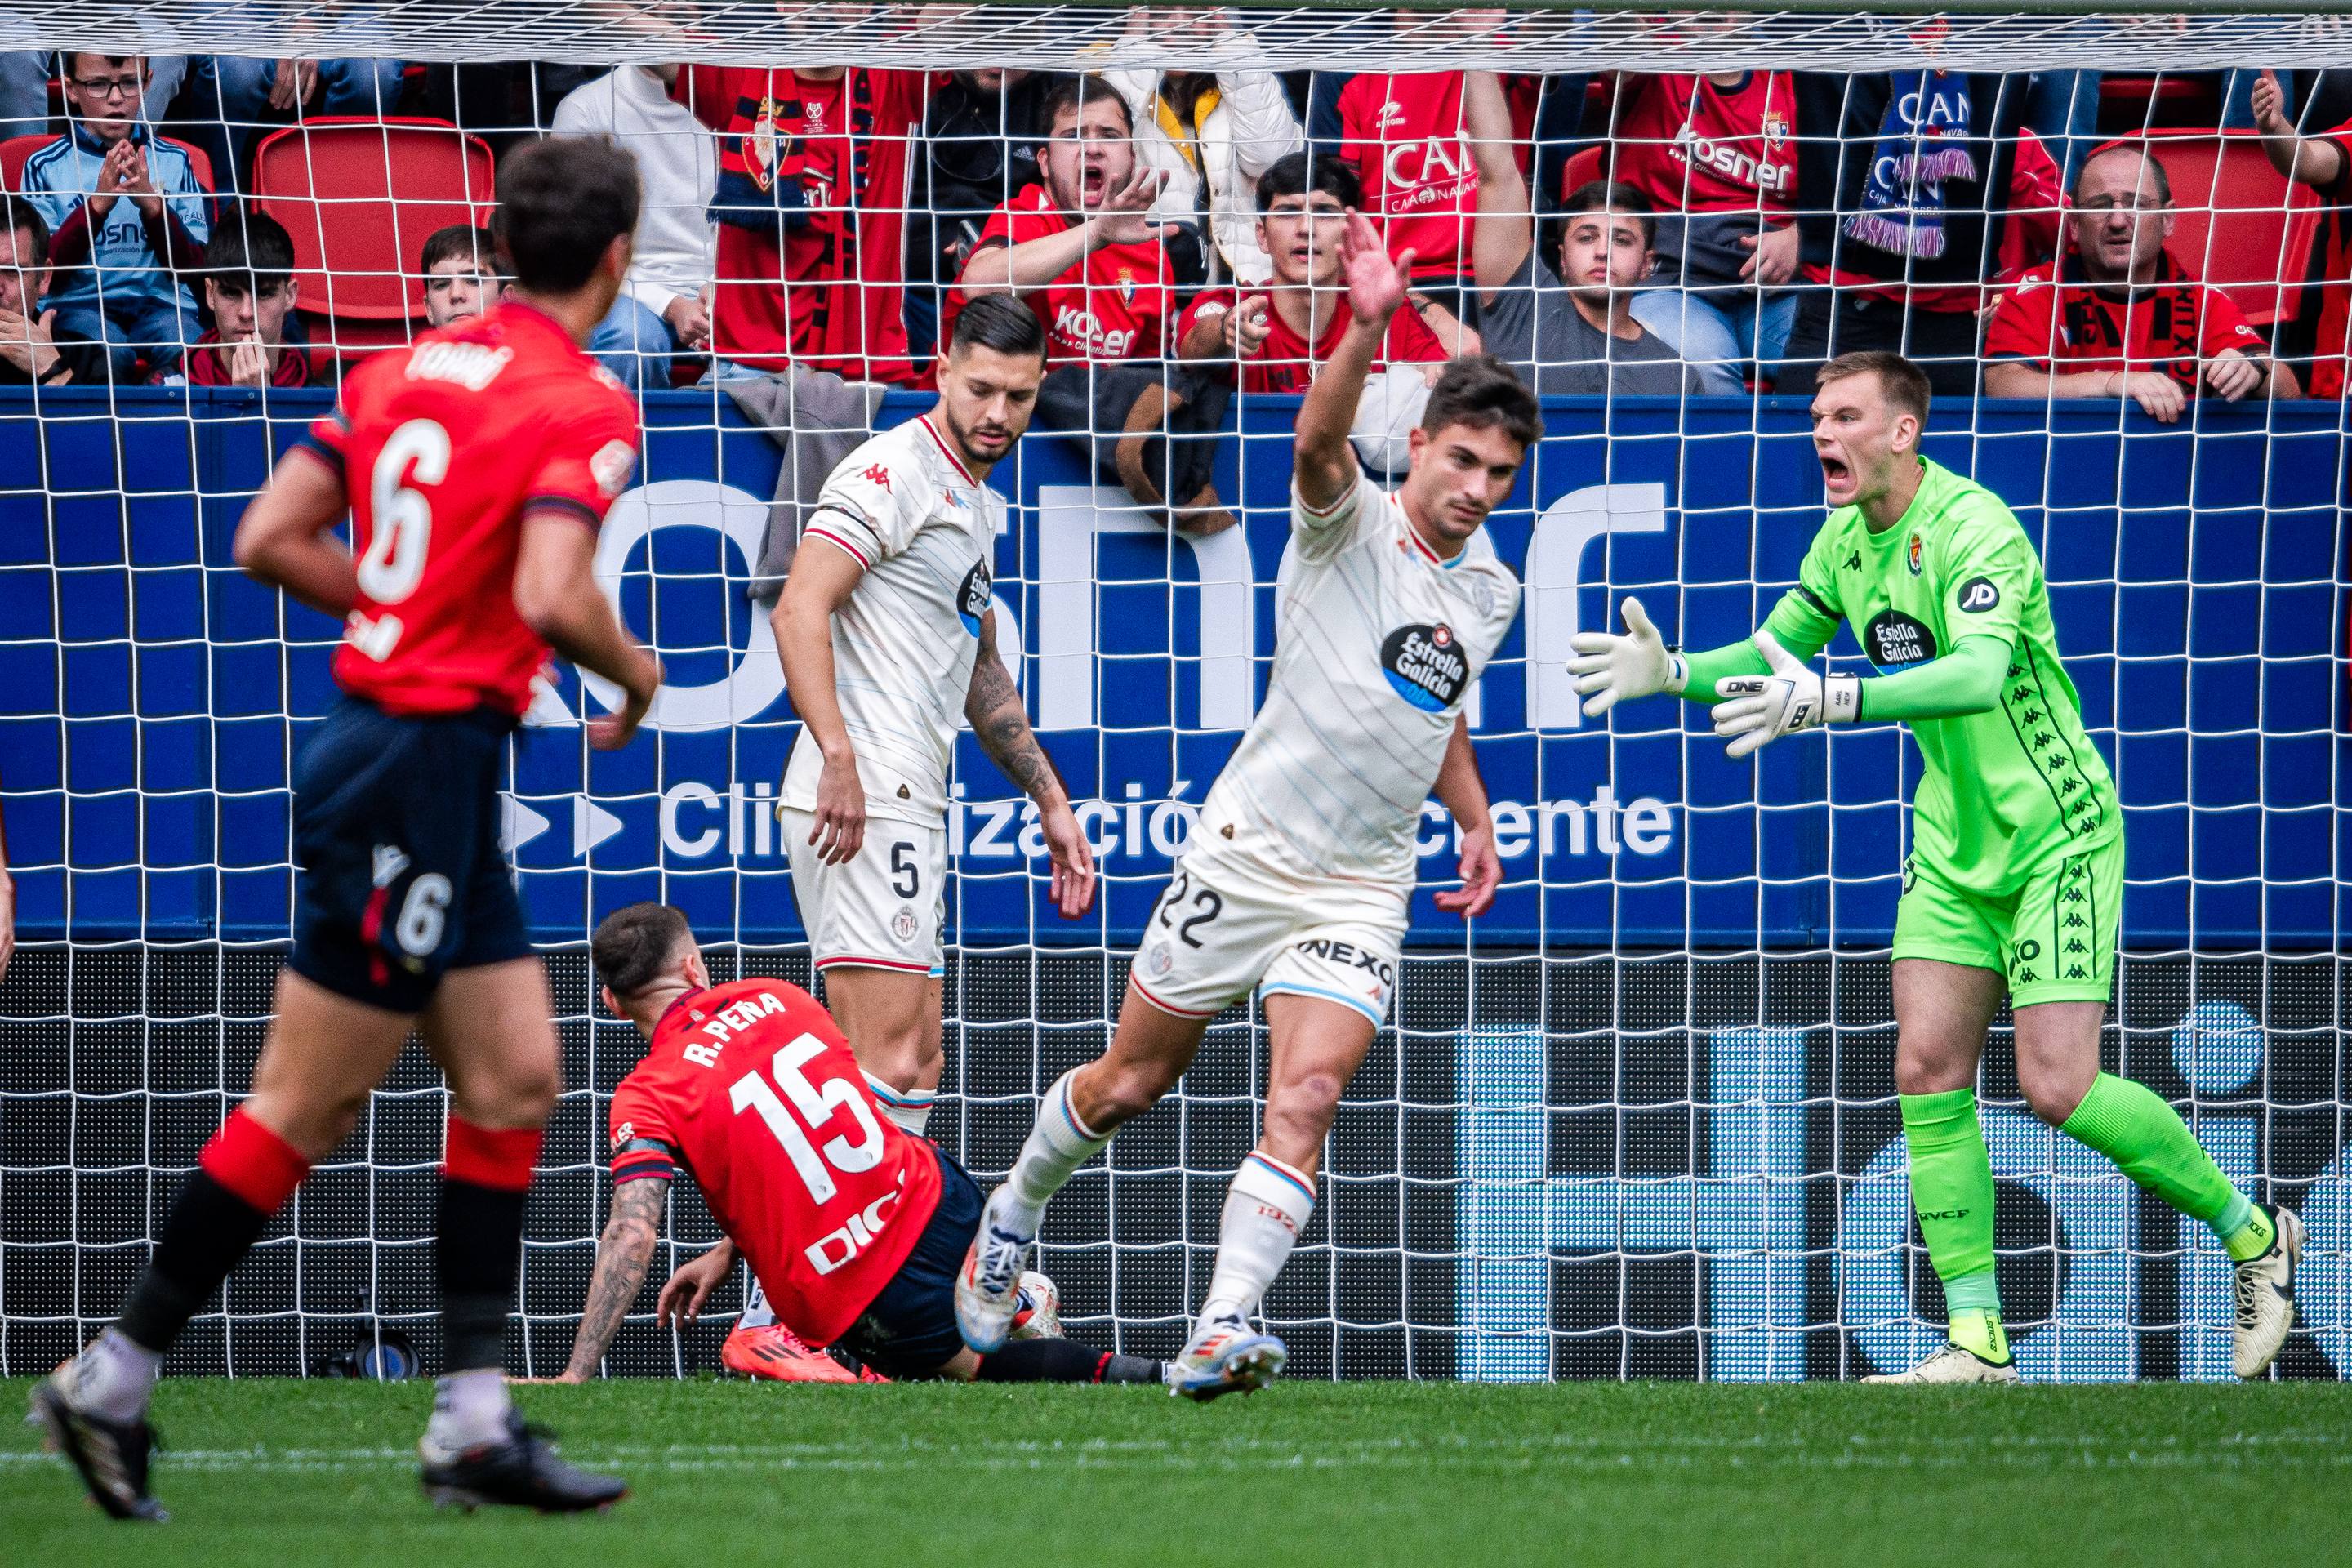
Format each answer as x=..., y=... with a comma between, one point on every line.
x=1894, y=639
x=1426, y=665
x=972, y=599
x=1979, y=594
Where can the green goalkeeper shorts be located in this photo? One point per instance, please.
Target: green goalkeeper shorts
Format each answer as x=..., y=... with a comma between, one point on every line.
x=2054, y=939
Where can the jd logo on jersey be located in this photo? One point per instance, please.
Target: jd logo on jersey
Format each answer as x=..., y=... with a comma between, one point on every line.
x=972, y=599
x=1979, y=594
x=1426, y=666
x=1894, y=639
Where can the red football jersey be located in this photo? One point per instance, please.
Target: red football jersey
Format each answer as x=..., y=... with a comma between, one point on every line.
x=442, y=446
x=1691, y=146
x=1284, y=362
x=751, y=1088
x=1116, y=304
x=1403, y=135
x=2057, y=319
x=812, y=181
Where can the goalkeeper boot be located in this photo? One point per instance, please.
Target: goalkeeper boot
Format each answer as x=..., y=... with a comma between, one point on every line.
x=522, y=1471
x=1952, y=1363
x=110, y=1456
x=774, y=1352
x=2266, y=1296
x=1225, y=1355
x=988, y=1286
x=1038, y=1315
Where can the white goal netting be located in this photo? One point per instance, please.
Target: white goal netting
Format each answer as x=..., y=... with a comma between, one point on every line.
x=1640, y=1119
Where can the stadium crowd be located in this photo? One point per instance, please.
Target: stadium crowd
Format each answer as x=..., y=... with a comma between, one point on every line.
x=1621, y=234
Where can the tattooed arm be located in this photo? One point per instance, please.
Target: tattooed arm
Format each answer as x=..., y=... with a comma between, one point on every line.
x=1000, y=721
x=622, y=1256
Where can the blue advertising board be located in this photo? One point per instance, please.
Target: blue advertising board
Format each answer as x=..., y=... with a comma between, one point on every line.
x=150, y=696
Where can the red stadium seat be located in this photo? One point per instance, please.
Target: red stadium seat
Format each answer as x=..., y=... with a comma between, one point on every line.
x=15, y=150
x=1583, y=168
x=2238, y=223
x=360, y=197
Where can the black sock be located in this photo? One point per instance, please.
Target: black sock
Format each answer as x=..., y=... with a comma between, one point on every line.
x=208, y=1230
x=1060, y=1360
x=480, y=1240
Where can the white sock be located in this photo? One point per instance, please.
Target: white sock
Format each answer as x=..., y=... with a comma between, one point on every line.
x=1057, y=1145
x=910, y=1107
x=113, y=1376
x=469, y=1408
x=757, y=1314
x=1266, y=1209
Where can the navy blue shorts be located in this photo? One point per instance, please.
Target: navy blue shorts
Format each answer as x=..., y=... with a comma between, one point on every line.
x=909, y=1330
x=396, y=832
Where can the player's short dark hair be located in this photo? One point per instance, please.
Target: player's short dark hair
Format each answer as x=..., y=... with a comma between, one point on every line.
x=1479, y=391
x=561, y=202
x=1611, y=195
x=999, y=321
x=1074, y=93
x=2163, y=181
x=1302, y=174
x=23, y=217
x=1905, y=383
x=459, y=242
x=632, y=946
x=250, y=252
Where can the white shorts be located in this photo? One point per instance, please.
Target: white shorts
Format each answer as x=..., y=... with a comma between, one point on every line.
x=883, y=909
x=1209, y=942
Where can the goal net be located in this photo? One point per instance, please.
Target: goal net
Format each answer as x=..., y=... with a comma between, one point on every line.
x=1638, y=1120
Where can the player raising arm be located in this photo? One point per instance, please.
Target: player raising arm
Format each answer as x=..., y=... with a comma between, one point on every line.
x=476, y=465
x=2016, y=871
x=1296, y=881
x=855, y=1226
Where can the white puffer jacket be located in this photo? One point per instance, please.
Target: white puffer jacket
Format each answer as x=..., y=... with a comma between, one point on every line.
x=1250, y=127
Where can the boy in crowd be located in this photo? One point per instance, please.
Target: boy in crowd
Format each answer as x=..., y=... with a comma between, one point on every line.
x=461, y=275
x=251, y=291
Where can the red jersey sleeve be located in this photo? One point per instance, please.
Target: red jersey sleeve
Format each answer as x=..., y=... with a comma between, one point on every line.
x=1210, y=303
x=708, y=92
x=2025, y=321
x=2221, y=326
x=1410, y=340
x=643, y=1143
x=587, y=461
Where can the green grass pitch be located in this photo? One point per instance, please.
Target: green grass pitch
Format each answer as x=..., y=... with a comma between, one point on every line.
x=279, y=1473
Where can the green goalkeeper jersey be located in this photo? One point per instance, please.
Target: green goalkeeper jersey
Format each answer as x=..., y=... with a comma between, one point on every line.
x=2006, y=791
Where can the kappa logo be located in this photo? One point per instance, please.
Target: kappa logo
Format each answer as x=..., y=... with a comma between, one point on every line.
x=878, y=475
x=1979, y=594
x=1853, y=563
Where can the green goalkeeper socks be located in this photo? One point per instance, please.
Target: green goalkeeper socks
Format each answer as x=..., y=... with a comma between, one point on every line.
x=1951, y=1191
x=2148, y=1142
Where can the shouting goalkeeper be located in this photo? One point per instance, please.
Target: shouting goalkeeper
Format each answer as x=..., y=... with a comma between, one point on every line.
x=2016, y=871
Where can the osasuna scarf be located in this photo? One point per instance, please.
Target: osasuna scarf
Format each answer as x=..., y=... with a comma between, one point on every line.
x=1923, y=141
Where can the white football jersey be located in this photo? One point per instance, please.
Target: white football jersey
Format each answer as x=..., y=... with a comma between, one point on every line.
x=1378, y=645
x=903, y=645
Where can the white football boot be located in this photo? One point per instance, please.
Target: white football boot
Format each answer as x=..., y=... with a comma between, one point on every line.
x=988, y=1286
x=2266, y=1298
x=1952, y=1363
x=1225, y=1355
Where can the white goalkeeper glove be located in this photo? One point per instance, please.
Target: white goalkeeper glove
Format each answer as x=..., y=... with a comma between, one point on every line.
x=1760, y=708
x=1611, y=670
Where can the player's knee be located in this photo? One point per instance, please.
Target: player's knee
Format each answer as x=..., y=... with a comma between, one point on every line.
x=1125, y=1090
x=1306, y=1104
x=2052, y=1095
x=513, y=1094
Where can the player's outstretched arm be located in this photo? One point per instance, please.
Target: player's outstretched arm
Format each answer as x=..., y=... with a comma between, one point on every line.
x=555, y=594
x=282, y=540
x=1462, y=792
x=1376, y=287
x=1000, y=721
x=820, y=584
x=1789, y=696
x=1612, y=668
x=621, y=1255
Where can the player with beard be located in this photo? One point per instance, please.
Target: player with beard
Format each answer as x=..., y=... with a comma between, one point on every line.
x=2016, y=869
x=1297, y=881
x=888, y=634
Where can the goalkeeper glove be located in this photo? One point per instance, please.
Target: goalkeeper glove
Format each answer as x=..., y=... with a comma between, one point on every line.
x=1611, y=670
x=1760, y=708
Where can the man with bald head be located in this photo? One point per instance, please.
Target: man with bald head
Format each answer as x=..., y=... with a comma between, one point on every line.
x=2120, y=315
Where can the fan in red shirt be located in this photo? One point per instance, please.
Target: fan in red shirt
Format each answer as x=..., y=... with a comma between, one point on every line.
x=1078, y=249
x=2120, y=317
x=811, y=208
x=1281, y=333
x=475, y=465
x=1404, y=136
x=2323, y=161
x=854, y=1226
